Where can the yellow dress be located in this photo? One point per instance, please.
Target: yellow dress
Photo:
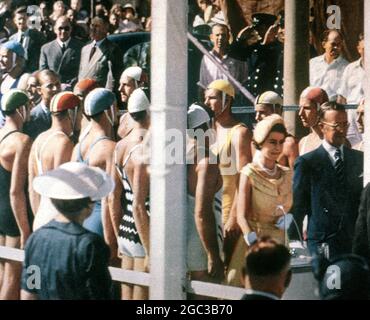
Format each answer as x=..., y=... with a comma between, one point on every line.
x=266, y=195
x=229, y=172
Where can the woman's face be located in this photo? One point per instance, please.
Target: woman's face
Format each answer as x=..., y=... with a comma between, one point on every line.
x=273, y=145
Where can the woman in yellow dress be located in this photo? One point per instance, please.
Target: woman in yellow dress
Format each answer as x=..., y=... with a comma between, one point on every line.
x=264, y=194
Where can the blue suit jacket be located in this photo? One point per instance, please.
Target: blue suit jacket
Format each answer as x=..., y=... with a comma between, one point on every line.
x=332, y=210
x=40, y=121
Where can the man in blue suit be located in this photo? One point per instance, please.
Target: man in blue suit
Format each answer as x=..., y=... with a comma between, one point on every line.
x=327, y=185
x=40, y=118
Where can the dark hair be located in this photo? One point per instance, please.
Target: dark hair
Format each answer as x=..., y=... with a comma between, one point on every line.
x=9, y=113
x=60, y=115
x=20, y=10
x=70, y=207
x=328, y=106
x=95, y=117
x=220, y=25
x=279, y=127
x=326, y=34
x=138, y=116
x=100, y=15
x=45, y=73
x=266, y=258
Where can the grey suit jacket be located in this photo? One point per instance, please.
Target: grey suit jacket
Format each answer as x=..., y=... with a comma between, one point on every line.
x=39, y=122
x=105, y=65
x=67, y=64
x=33, y=48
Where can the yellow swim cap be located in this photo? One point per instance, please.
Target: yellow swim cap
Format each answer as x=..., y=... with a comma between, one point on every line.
x=223, y=86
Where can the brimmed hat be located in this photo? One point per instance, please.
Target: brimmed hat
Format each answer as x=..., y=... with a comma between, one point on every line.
x=223, y=86
x=138, y=101
x=64, y=101
x=13, y=99
x=263, y=19
x=197, y=116
x=129, y=6
x=269, y=97
x=15, y=47
x=74, y=180
x=98, y=100
x=263, y=128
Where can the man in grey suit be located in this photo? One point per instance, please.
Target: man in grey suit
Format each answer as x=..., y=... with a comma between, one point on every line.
x=101, y=59
x=40, y=117
x=30, y=39
x=62, y=55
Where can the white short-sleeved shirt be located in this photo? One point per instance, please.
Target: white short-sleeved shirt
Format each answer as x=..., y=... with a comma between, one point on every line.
x=327, y=76
x=209, y=72
x=352, y=88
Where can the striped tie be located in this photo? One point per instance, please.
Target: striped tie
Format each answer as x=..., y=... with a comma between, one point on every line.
x=339, y=166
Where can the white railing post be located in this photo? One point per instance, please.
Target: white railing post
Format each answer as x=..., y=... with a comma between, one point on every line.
x=367, y=93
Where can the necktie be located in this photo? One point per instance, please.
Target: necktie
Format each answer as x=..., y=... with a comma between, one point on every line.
x=93, y=49
x=339, y=167
x=63, y=48
x=21, y=39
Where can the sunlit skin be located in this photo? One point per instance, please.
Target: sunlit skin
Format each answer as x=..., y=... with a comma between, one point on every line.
x=32, y=89
x=50, y=86
x=98, y=29
x=203, y=4
x=20, y=20
x=271, y=149
x=126, y=87
x=220, y=39
x=334, y=127
x=6, y=62
x=63, y=29
x=262, y=111
x=360, y=118
x=212, y=99
x=308, y=112
x=333, y=46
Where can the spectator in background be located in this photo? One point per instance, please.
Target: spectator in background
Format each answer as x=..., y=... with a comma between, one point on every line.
x=267, y=272
x=40, y=119
x=79, y=31
x=351, y=90
x=15, y=216
x=30, y=39
x=46, y=23
x=209, y=71
x=59, y=10
x=101, y=59
x=205, y=11
x=129, y=22
x=33, y=93
x=309, y=103
x=80, y=256
x=326, y=71
x=63, y=54
x=81, y=14
x=360, y=119
x=114, y=23
x=12, y=64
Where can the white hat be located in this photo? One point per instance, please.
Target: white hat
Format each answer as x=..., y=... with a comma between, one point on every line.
x=133, y=73
x=74, y=180
x=138, y=101
x=197, y=116
x=269, y=97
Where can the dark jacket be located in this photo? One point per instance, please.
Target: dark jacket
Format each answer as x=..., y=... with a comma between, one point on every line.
x=39, y=122
x=332, y=210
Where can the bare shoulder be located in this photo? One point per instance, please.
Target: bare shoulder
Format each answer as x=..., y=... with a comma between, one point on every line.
x=291, y=141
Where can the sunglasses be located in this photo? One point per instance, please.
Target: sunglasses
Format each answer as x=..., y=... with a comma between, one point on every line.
x=64, y=28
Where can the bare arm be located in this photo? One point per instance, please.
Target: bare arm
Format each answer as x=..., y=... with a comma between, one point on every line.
x=34, y=196
x=17, y=188
x=140, y=192
x=204, y=215
x=25, y=295
x=242, y=144
x=244, y=196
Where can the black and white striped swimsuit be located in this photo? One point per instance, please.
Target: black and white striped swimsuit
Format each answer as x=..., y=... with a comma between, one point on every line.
x=129, y=242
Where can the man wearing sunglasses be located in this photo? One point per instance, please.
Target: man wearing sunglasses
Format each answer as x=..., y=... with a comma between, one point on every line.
x=327, y=185
x=62, y=55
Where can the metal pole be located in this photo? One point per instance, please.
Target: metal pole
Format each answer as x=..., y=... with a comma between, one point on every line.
x=168, y=181
x=367, y=93
x=296, y=57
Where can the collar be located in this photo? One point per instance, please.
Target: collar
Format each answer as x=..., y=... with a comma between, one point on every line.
x=24, y=32
x=98, y=43
x=337, y=60
x=65, y=42
x=66, y=227
x=262, y=293
x=44, y=107
x=331, y=149
x=212, y=52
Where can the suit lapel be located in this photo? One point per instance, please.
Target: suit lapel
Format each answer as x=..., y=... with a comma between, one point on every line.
x=97, y=55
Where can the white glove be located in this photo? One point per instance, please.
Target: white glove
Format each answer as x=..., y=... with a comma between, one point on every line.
x=284, y=221
x=250, y=238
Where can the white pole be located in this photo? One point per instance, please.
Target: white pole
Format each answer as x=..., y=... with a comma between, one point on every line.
x=367, y=93
x=168, y=181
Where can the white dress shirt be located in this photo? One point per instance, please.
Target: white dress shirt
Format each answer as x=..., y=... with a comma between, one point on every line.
x=327, y=76
x=209, y=71
x=331, y=151
x=65, y=42
x=352, y=88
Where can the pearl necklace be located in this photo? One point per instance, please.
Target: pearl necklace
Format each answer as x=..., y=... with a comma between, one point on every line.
x=270, y=172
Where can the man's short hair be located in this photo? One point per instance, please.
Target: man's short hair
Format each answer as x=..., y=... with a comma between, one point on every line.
x=266, y=258
x=328, y=106
x=326, y=33
x=101, y=17
x=220, y=25
x=20, y=10
x=45, y=73
x=70, y=207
